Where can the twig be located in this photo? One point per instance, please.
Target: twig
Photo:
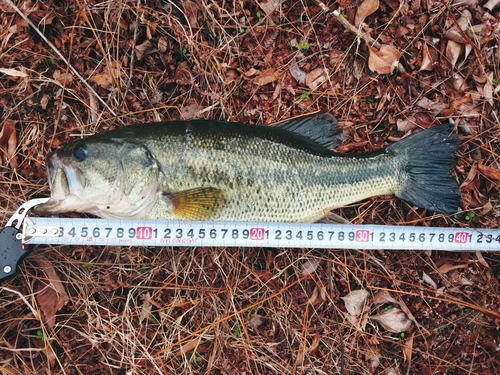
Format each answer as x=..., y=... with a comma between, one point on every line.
x=132, y=51
x=353, y=29
x=61, y=56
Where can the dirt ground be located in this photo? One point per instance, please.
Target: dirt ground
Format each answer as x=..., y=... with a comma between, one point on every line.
x=384, y=69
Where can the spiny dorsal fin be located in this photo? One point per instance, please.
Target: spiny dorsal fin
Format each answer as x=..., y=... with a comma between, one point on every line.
x=321, y=128
x=196, y=204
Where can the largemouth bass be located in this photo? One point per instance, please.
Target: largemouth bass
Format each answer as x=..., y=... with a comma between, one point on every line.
x=214, y=170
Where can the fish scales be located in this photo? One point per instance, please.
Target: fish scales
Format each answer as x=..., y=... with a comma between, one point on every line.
x=276, y=182
x=232, y=172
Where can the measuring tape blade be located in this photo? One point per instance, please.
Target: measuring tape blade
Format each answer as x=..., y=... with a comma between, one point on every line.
x=64, y=231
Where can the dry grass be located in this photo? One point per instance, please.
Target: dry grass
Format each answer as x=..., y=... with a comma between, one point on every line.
x=241, y=311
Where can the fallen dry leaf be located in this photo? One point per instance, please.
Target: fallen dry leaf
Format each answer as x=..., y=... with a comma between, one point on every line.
x=383, y=297
x=453, y=52
x=14, y=72
x=488, y=89
x=191, y=344
x=8, y=143
x=394, y=320
x=309, y=267
x=429, y=55
x=366, y=8
x=491, y=4
x=385, y=60
x=316, y=78
x=372, y=355
x=189, y=111
x=191, y=12
x=457, y=33
x=62, y=78
x=391, y=371
x=258, y=321
x=270, y=6
x=355, y=301
x=447, y=267
x=488, y=172
x=407, y=349
x=51, y=295
x=428, y=280
x=319, y=295
x=297, y=73
x=146, y=307
x=143, y=48
x=102, y=79
x=267, y=76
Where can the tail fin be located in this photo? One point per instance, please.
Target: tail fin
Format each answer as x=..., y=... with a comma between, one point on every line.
x=429, y=156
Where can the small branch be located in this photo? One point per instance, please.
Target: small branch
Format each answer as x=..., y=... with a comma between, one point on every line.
x=132, y=52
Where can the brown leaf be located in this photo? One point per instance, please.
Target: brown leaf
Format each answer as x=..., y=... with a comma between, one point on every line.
x=316, y=78
x=488, y=89
x=446, y=267
x=319, y=295
x=63, y=78
x=267, y=76
x=355, y=301
x=383, y=61
x=8, y=142
x=297, y=73
x=428, y=280
x=366, y=8
x=309, y=267
x=407, y=349
x=191, y=344
x=162, y=44
x=372, y=355
x=488, y=172
x=457, y=31
x=429, y=56
x=102, y=79
x=269, y=6
x=394, y=320
x=143, y=48
x=190, y=110
x=191, y=11
x=453, y=52
x=382, y=297
x=51, y=295
x=258, y=322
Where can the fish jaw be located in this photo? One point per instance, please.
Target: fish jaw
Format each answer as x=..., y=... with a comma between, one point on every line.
x=66, y=186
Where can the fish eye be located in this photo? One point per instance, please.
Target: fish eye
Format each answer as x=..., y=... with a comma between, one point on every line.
x=80, y=151
x=148, y=160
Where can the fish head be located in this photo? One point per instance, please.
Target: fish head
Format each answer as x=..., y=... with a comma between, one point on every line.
x=111, y=178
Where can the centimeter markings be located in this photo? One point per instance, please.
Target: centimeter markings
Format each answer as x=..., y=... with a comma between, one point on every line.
x=63, y=231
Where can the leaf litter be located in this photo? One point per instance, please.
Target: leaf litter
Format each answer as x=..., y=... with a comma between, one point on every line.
x=383, y=69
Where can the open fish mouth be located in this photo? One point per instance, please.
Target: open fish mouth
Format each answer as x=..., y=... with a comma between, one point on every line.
x=65, y=183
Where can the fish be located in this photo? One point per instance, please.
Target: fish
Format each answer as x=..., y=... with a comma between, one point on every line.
x=226, y=171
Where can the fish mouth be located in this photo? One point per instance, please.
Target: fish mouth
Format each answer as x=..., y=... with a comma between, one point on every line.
x=66, y=185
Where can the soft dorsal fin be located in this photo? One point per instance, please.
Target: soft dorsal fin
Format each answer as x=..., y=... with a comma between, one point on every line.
x=321, y=128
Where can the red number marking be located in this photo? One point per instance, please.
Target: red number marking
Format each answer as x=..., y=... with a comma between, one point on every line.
x=461, y=237
x=257, y=233
x=362, y=235
x=144, y=233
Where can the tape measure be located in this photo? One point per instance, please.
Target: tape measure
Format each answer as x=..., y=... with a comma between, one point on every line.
x=69, y=231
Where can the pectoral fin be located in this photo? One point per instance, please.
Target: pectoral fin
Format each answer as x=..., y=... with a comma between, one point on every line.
x=196, y=204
